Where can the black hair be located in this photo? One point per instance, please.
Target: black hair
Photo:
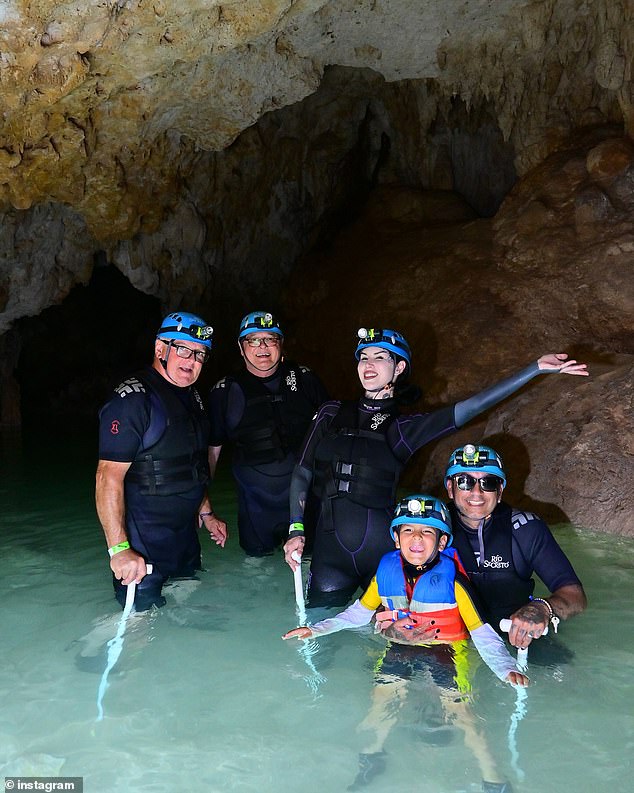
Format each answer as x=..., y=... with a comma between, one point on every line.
x=405, y=392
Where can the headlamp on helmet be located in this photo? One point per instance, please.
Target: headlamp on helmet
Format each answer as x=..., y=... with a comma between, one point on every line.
x=386, y=339
x=426, y=510
x=470, y=457
x=182, y=326
x=258, y=321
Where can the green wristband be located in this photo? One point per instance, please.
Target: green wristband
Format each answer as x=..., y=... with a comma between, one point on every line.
x=296, y=527
x=122, y=546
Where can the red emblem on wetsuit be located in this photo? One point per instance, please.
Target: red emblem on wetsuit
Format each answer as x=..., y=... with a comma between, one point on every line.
x=114, y=427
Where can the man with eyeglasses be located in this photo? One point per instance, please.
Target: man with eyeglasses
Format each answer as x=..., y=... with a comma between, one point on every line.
x=501, y=548
x=151, y=486
x=264, y=412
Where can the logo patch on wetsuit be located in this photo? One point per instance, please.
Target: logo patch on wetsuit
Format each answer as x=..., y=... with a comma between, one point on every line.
x=198, y=399
x=114, y=427
x=130, y=386
x=378, y=419
x=291, y=381
x=496, y=562
x=520, y=518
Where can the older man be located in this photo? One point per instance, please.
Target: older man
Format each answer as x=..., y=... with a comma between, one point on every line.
x=151, y=489
x=264, y=411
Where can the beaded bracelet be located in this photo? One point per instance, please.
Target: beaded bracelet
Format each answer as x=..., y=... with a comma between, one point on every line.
x=552, y=617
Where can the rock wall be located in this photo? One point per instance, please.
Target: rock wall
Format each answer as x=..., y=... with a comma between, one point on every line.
x=479, y=299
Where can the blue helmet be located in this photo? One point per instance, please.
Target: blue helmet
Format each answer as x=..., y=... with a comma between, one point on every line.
x=258, y=321
x=387, y=339
x=427, y=510
x=470, y=458
x=182, y=326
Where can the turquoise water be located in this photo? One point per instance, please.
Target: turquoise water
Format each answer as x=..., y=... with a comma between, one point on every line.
x=206, y=697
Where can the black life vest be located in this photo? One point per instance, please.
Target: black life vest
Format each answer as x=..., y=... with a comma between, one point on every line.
x=357, y=462
x=274, y=422
x=173, y=455
x=495, y=579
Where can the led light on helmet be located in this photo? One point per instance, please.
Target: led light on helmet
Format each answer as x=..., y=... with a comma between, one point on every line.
x=205, y=332
x=414, y=506
x=362, y=333
x=469, y=451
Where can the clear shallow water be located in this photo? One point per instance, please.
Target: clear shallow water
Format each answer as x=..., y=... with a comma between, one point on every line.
x=206, y=697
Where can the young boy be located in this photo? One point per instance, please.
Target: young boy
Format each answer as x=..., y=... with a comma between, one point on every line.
x=422, y=586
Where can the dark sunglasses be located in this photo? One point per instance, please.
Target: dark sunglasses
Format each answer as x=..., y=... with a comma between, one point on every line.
x=488, y=484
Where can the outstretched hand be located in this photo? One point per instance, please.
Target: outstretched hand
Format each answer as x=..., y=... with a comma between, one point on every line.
x=517, y=679
x=560, y=363
x=299, y=633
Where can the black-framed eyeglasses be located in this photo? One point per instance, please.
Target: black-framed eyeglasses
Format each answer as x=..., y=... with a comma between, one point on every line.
x=267, y=341
x=488, y=484
x=186, y=352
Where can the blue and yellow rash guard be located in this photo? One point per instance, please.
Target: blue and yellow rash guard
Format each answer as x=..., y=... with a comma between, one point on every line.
x=487, y=642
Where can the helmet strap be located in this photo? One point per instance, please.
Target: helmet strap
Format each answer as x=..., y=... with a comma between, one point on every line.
x=163, y=361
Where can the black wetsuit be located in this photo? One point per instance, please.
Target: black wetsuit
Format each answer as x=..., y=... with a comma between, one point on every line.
x=502, y=556
x=162, y=430
x=265, y=419
x=352, y=531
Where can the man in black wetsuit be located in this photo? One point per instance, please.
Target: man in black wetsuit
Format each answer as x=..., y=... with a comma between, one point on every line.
x=151, y=488
x=264, y=411
x=501, y=548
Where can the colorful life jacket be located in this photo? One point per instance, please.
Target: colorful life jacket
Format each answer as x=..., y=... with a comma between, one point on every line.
x=357, y=462
x=433, y=598
x=172, y=458
x=273, y=423
x=495, y=579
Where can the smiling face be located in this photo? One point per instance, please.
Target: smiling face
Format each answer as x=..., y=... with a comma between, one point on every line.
x=474, y=505
x=417, y=542
x=262, y=361
x=182, y=372
x=378, y=372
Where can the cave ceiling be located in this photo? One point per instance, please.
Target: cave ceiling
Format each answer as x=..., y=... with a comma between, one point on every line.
x=138, y=128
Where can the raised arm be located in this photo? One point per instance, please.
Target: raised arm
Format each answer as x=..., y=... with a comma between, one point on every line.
x=556, y=363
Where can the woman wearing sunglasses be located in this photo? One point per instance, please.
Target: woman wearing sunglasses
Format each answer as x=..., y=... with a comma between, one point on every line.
x=502, y=548
x=354, y=454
